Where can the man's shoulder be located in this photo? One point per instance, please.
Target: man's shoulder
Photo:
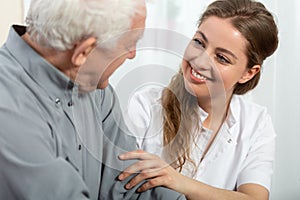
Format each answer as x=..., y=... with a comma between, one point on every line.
x=10, y=87
x=17, y=91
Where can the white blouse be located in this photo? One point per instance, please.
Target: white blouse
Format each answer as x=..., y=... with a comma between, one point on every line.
x=242, y=152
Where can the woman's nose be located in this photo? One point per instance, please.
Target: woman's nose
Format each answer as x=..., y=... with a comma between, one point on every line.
x=203, y=60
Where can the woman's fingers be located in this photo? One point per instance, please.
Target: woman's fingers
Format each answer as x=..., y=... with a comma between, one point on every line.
x=151, y=168
x=148, y=162
x=159, y=181
x=143, y=176
x=144, y=166
x=134, y=168
x=137, y=154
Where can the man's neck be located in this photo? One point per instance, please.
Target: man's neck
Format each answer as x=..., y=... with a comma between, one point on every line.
x=59, y=59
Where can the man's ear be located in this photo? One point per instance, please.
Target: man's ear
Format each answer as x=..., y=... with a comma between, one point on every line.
x=249, y=74
x=82, y=50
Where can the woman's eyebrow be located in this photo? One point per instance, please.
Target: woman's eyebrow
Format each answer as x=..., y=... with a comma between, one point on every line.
x=227, y=51
x=219, y=48
x=203, y=35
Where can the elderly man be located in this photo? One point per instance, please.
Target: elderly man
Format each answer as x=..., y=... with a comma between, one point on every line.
x=61, y=132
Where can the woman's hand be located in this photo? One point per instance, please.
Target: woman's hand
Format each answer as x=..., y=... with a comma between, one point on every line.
x=158, y=173
x=153, y=169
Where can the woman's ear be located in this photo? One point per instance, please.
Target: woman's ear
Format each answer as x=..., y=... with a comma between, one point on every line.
x=249, y=74
x=82, y=50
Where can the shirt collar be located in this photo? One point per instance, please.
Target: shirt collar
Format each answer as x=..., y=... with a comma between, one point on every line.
x=203, y=114
x=233, y=111
x=231, y=115
x=54, y=82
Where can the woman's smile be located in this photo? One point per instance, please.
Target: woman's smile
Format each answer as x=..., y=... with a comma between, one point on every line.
x=197, y=77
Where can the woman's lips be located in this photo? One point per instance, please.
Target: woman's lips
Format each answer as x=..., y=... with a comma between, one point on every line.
x=197, y=77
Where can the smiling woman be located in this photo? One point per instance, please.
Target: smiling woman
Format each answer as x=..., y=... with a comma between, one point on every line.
x=218, y=145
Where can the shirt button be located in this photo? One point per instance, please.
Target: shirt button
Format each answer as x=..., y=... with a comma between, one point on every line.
x=70, y=103
x=57, y=101
x=229, y=141
x=79, y=147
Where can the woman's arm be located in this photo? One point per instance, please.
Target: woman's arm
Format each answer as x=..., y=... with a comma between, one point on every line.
x=159, y=173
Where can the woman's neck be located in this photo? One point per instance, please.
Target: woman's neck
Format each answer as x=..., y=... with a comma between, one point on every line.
x=217, y=109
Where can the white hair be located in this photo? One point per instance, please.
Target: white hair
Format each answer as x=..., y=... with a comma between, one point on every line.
x=59, y=24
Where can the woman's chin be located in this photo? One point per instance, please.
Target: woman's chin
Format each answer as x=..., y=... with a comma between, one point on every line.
x=189, y=88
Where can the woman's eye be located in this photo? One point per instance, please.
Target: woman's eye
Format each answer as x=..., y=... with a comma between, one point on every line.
x=198, y=42
x=222, y=59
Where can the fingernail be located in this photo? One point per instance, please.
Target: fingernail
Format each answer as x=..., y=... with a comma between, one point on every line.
x=121, y=177
x=128, y=186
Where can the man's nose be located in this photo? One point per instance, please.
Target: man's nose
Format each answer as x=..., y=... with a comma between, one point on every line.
x=131, y=53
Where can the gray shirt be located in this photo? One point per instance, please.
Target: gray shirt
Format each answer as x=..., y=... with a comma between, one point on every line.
x=55, y=143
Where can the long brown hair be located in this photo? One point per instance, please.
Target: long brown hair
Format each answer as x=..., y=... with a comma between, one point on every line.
x=180, y=113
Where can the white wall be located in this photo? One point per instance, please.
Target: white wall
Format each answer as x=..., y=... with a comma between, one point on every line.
x=10, y=12
x=286, y=183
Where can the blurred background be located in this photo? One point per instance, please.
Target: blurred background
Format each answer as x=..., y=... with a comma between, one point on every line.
x=159, y=59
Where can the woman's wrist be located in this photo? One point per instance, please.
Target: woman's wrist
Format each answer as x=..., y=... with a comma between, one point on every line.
x=185, y=185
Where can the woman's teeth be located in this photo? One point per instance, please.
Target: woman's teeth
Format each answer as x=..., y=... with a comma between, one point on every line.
x=198, y=76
